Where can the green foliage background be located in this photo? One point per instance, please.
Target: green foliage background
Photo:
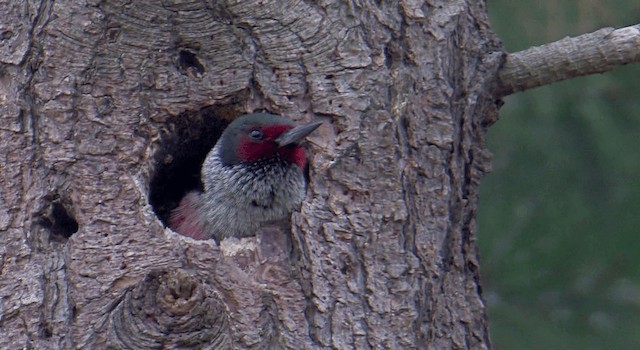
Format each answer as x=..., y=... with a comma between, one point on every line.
x=560, y=214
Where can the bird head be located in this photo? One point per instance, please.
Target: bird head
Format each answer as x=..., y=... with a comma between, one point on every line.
x=261, y=136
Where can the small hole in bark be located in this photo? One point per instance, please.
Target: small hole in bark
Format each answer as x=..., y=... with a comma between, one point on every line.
x=46, y=331
x=113, y=34
x=388, y=57
x=64, y=224
x=59, y=221
x=6, y=35
x=186, y=143
x=188, y=61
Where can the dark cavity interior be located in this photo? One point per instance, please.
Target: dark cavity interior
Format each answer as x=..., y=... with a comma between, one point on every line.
x=186, y=143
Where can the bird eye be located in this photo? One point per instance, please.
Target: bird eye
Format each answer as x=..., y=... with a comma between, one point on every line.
x=256, y=134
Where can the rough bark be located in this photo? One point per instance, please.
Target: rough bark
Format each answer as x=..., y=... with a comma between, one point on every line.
x=382, y=253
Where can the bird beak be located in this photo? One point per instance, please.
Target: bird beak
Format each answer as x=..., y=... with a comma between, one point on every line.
x=297, y=134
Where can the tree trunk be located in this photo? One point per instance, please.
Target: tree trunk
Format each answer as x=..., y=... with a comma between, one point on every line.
x=108, y=108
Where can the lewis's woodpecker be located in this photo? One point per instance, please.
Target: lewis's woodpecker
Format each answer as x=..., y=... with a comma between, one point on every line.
x=254, y=174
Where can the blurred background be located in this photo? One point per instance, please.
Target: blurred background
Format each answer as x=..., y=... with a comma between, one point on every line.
x=559, y=221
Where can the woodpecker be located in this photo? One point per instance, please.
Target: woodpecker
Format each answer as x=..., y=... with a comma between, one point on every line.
x=254, y=174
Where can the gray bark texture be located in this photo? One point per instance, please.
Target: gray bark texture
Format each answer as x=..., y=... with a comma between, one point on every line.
x=382, y=253
x=597, y=52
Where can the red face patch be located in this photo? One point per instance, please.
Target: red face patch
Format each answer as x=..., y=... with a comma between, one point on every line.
x=251, y=150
